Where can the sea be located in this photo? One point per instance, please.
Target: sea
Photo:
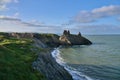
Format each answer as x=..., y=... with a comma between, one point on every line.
x=99, y=61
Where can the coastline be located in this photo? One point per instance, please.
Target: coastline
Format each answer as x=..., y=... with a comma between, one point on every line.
x=76, y=75
x=47, y=65
x=42, y=45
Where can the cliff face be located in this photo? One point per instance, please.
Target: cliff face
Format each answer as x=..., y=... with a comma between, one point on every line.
x=50, y=40
x=47, y=65
x=70, y=39
x=53, y=40
x=45, y=40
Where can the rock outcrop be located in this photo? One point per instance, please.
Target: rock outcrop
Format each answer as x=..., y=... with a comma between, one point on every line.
x=53, y=40
x=71, y=39
x=50, y=40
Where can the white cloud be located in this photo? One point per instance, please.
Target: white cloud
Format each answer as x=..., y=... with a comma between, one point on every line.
x=3, y=4
x=110, y=10
x=2, y=17
x=13, y=24
x=14, y=19
x=95, y=14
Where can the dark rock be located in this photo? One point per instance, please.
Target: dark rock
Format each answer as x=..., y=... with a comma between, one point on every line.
x=47, y=65
x=65, y=32
x=79, y=34
x=50, y=40
x=68, y=32
x=74, y=39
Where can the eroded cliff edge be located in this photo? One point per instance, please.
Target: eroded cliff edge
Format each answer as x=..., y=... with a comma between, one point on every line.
x=44, y=44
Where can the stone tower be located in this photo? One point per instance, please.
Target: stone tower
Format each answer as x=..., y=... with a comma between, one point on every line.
x=66, y=32
x=79, y=34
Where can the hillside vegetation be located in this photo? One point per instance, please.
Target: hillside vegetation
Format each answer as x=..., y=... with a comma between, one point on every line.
x=16, y=59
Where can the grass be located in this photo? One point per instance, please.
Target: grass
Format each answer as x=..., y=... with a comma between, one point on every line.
x=16, y=60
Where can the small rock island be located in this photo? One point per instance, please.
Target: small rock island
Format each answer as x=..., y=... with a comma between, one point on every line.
x=72, y=39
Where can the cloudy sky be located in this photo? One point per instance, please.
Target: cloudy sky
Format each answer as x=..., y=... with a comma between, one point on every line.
x=53, y=16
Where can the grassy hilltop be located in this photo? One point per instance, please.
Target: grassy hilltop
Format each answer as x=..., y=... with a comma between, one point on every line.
x=16, y=59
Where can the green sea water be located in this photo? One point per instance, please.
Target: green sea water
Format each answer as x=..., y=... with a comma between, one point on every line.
x=99, y=61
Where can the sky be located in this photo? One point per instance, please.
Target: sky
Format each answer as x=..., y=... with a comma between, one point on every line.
x=54, y=16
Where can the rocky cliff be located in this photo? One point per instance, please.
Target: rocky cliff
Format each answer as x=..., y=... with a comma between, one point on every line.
x=50, y=40
x=44, y=43
x=47, y=65
x=53, y=40
x=45, y=40
x=71, y=39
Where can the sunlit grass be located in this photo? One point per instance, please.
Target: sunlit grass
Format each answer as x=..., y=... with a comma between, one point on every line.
x=16, y=60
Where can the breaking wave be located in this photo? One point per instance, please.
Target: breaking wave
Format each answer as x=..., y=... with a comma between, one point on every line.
x=76, y=75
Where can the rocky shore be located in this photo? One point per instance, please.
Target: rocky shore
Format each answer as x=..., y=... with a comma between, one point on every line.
x=43, y=44
x=47, y=65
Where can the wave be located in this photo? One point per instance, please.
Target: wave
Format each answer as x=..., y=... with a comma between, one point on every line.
x=74, y=73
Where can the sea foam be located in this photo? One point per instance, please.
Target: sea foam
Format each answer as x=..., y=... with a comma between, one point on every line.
x=74, y=73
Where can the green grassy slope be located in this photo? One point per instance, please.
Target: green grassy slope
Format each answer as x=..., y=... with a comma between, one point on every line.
x=16, y=59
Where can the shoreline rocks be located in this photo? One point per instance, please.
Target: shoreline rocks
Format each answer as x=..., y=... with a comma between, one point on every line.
x=46, y=64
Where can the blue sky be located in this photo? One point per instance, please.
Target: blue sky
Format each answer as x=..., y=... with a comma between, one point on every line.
x=53, y=16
